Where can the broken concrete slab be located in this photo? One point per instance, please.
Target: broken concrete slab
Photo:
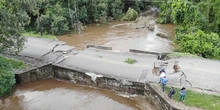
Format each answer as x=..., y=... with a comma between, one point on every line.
x=200, y=72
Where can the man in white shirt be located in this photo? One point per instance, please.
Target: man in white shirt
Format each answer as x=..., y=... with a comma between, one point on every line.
x=162, y=74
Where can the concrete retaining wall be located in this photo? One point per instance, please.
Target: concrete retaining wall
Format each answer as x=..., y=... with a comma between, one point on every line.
x=99, y=47
x=35, y=74
x=146, y=52
x=161, y=56
x=152, y=96
x=80, y=77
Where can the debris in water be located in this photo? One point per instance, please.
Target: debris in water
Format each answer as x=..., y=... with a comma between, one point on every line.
x=126, y=82
x=127, y=95
x=93, y=76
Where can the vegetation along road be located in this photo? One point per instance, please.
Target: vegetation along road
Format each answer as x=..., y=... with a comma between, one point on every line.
x=197, y=32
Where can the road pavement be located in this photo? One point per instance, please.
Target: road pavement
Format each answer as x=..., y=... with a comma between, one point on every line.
x=201, y=73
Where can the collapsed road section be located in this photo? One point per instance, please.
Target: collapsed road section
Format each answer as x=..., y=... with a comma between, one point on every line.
x=97, y=59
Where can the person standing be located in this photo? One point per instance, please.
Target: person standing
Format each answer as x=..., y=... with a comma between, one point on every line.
x=182, y=94
x=164, y=82
x=176, y=67
x=162, y=74
x=172, y=91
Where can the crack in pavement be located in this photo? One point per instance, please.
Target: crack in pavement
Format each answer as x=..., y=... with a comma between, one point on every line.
x=183, y=74
x=63, y=52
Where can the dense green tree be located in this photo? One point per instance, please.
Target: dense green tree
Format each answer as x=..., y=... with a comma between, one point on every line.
x=208, y=45
x=12, y=20
x=198, y=27
x=116, y=8
x=101, y=11
x=83, y=14
x=7, y=80
x=54, y=20
x=60, y=16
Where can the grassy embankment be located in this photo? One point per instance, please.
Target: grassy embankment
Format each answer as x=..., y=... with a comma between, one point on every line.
x=15, y=64
x=33, y=34
x=7, y=77
x=178, y=54
x=197, y=99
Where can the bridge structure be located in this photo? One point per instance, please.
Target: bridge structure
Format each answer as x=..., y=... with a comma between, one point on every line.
x=110, y=63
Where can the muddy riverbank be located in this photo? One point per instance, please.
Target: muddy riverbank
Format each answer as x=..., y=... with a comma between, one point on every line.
x=122, y=36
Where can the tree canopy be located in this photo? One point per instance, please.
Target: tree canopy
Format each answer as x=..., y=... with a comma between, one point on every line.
x=12, y=20
x=198, y=25
x=55, y=17
x=58, y=17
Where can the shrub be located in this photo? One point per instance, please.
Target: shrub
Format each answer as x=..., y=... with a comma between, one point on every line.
x=198, y=25
x=130, y=61
x=200, y=43
x=130, y=15
x=7, y=80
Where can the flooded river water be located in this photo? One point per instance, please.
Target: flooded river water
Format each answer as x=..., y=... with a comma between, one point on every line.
x=122, y=36
x=60, y=95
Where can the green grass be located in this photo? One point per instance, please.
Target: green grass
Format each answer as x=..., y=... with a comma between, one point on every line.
x=130, y=61
x=196, y=99
x=177, y=54
x=33, y=34
x=16, y=64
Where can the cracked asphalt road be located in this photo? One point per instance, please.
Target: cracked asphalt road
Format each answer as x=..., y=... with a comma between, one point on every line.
x=202, y=73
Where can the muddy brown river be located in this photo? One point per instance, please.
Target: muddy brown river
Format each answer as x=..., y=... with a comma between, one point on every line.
x=53, y=94
x=122, y=36
x=60, y=95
